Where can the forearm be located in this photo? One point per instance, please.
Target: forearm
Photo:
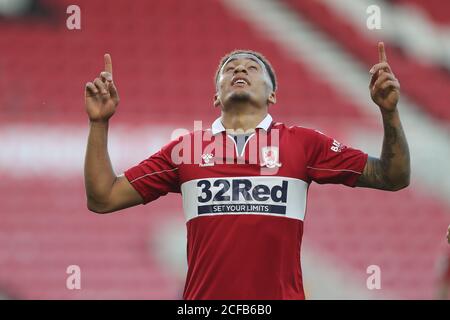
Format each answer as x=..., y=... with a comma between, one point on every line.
x=392, y=170
x=98, y=172
x=394, y=158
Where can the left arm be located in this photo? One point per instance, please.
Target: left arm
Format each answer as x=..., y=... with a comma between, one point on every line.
x=392, y=170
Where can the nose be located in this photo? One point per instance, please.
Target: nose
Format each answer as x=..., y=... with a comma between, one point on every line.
x=240, y=68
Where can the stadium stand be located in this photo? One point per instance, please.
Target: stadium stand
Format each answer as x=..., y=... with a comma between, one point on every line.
x=437, y=10
x=407, y=68
x=165, y=54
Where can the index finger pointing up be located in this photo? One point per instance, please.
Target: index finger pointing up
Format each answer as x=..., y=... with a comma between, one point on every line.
x=381, y=52
x=108, y=63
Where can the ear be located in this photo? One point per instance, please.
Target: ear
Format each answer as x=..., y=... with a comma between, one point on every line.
x=272, y=98
x=216, y=100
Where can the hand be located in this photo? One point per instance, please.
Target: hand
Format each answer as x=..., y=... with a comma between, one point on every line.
x=384, y=87
x=101, y=97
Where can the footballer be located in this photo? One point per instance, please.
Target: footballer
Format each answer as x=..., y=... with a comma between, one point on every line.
x=244, y=199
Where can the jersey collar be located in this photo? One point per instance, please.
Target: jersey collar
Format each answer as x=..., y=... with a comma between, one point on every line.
x=218, y=127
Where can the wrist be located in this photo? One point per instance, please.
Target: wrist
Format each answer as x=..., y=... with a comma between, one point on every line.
x=392, y=117
x=388, y=112
x=98, y=123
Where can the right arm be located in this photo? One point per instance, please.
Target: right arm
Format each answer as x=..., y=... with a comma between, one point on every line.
x=105, y=191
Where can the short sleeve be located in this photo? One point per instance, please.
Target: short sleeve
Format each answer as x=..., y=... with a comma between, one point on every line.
x=329, y=161
x=155, y=176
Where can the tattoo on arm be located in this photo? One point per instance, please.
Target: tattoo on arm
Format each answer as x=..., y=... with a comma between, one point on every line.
x=392, y=170
x=374, y=176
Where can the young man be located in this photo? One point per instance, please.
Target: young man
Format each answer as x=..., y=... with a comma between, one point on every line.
x=245, y=197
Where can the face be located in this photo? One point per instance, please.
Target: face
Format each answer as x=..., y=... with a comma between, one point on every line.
x=243, y=79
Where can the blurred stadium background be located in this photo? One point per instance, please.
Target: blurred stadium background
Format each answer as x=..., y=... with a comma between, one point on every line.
x=165, y=53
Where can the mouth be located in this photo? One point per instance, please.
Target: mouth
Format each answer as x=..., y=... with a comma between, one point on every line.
x=240, y=82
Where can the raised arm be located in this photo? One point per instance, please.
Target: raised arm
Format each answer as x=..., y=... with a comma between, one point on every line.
x=105, y=191
x=392, y=170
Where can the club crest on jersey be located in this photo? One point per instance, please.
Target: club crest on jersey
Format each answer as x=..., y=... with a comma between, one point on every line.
x=270, y=157
x=207, y=160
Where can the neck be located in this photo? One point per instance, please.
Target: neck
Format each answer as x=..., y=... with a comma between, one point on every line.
x=243, y=118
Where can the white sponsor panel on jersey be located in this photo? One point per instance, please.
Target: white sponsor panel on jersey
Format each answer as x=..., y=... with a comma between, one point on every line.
x=268, y=195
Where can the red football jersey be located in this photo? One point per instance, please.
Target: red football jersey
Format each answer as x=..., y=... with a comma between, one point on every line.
x=244, y=211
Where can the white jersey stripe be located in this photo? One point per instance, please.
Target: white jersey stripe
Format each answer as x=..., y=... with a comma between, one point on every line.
x=262, y=195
